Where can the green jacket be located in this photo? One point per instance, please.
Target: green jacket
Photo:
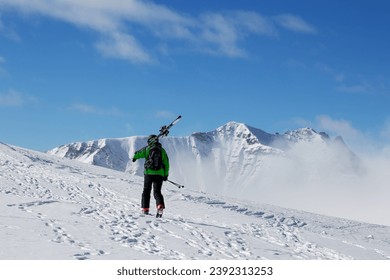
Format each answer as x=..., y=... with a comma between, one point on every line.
x=144, y=153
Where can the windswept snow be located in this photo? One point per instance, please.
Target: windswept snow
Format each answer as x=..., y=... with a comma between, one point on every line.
x=54, y=208
x=225, y=160
x=301, y=169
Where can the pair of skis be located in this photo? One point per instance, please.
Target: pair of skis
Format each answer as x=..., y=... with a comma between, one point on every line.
x=164, y=131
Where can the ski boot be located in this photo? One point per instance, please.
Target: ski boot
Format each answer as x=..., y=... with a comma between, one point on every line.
x=160, y=209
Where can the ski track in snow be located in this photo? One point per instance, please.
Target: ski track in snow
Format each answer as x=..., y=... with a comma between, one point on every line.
x=87, y=212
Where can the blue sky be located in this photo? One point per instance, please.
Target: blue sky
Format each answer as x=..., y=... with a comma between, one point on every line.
x=81, y=70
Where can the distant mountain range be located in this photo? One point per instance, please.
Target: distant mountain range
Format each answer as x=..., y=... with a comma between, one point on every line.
x=222, y=160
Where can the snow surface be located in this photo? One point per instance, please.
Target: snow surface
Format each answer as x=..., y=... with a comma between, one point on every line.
x=300, y=169
x=53, y=208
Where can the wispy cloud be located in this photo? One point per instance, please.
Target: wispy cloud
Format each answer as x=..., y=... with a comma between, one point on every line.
x=336, y=75
x=109, y=18
x=350, y=188
x=3, y=72
x=13, y=98
x=338, y=126
x=116, y=20
x=358, y=88
x=364, y=142
x=221, y=33
x=373, y=139
x=352, y=83
x=8, y=32
x=123, y=46
x=94, y=110
x=295, y=23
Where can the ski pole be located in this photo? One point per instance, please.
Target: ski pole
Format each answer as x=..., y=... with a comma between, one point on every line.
x=176, y=184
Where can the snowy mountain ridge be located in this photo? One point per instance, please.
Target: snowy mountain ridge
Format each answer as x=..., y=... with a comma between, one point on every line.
x=222, y=160
x=116, y=153
x=53, y=208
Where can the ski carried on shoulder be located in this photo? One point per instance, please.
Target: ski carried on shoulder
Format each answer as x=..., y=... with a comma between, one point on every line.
x=164, y=131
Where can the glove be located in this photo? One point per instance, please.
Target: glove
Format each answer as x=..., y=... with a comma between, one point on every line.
x=134, y=159
x=165, y=178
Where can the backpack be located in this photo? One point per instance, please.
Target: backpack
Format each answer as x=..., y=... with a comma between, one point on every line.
x=154, y=159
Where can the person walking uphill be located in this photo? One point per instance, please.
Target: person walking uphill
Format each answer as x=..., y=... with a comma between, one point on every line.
x=156, y=171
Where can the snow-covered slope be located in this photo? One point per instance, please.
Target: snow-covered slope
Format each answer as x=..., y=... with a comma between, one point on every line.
x=220, y=161
x=54, y=208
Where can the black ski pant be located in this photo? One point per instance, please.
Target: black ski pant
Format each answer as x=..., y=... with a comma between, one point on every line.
x=156, y=182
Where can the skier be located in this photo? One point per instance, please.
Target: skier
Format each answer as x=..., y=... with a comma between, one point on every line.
x=156, y=171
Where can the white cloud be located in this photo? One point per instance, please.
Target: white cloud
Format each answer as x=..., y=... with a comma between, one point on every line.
x=2, y=28
x=352, y=83
x=8, y=32
x=337, y=76
x=255, y=23
x=121, y=21
x=338, y=127
x=359, y=141
x=372, y=141
x=123, y=46
x=3, y=72
x=358, y=88
x=224, y=31
x=356, y=139
x=309, y=176
x=11, y=98
x=109, y=18
x=14, y=98
x=295, y=23
x=220, y=32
